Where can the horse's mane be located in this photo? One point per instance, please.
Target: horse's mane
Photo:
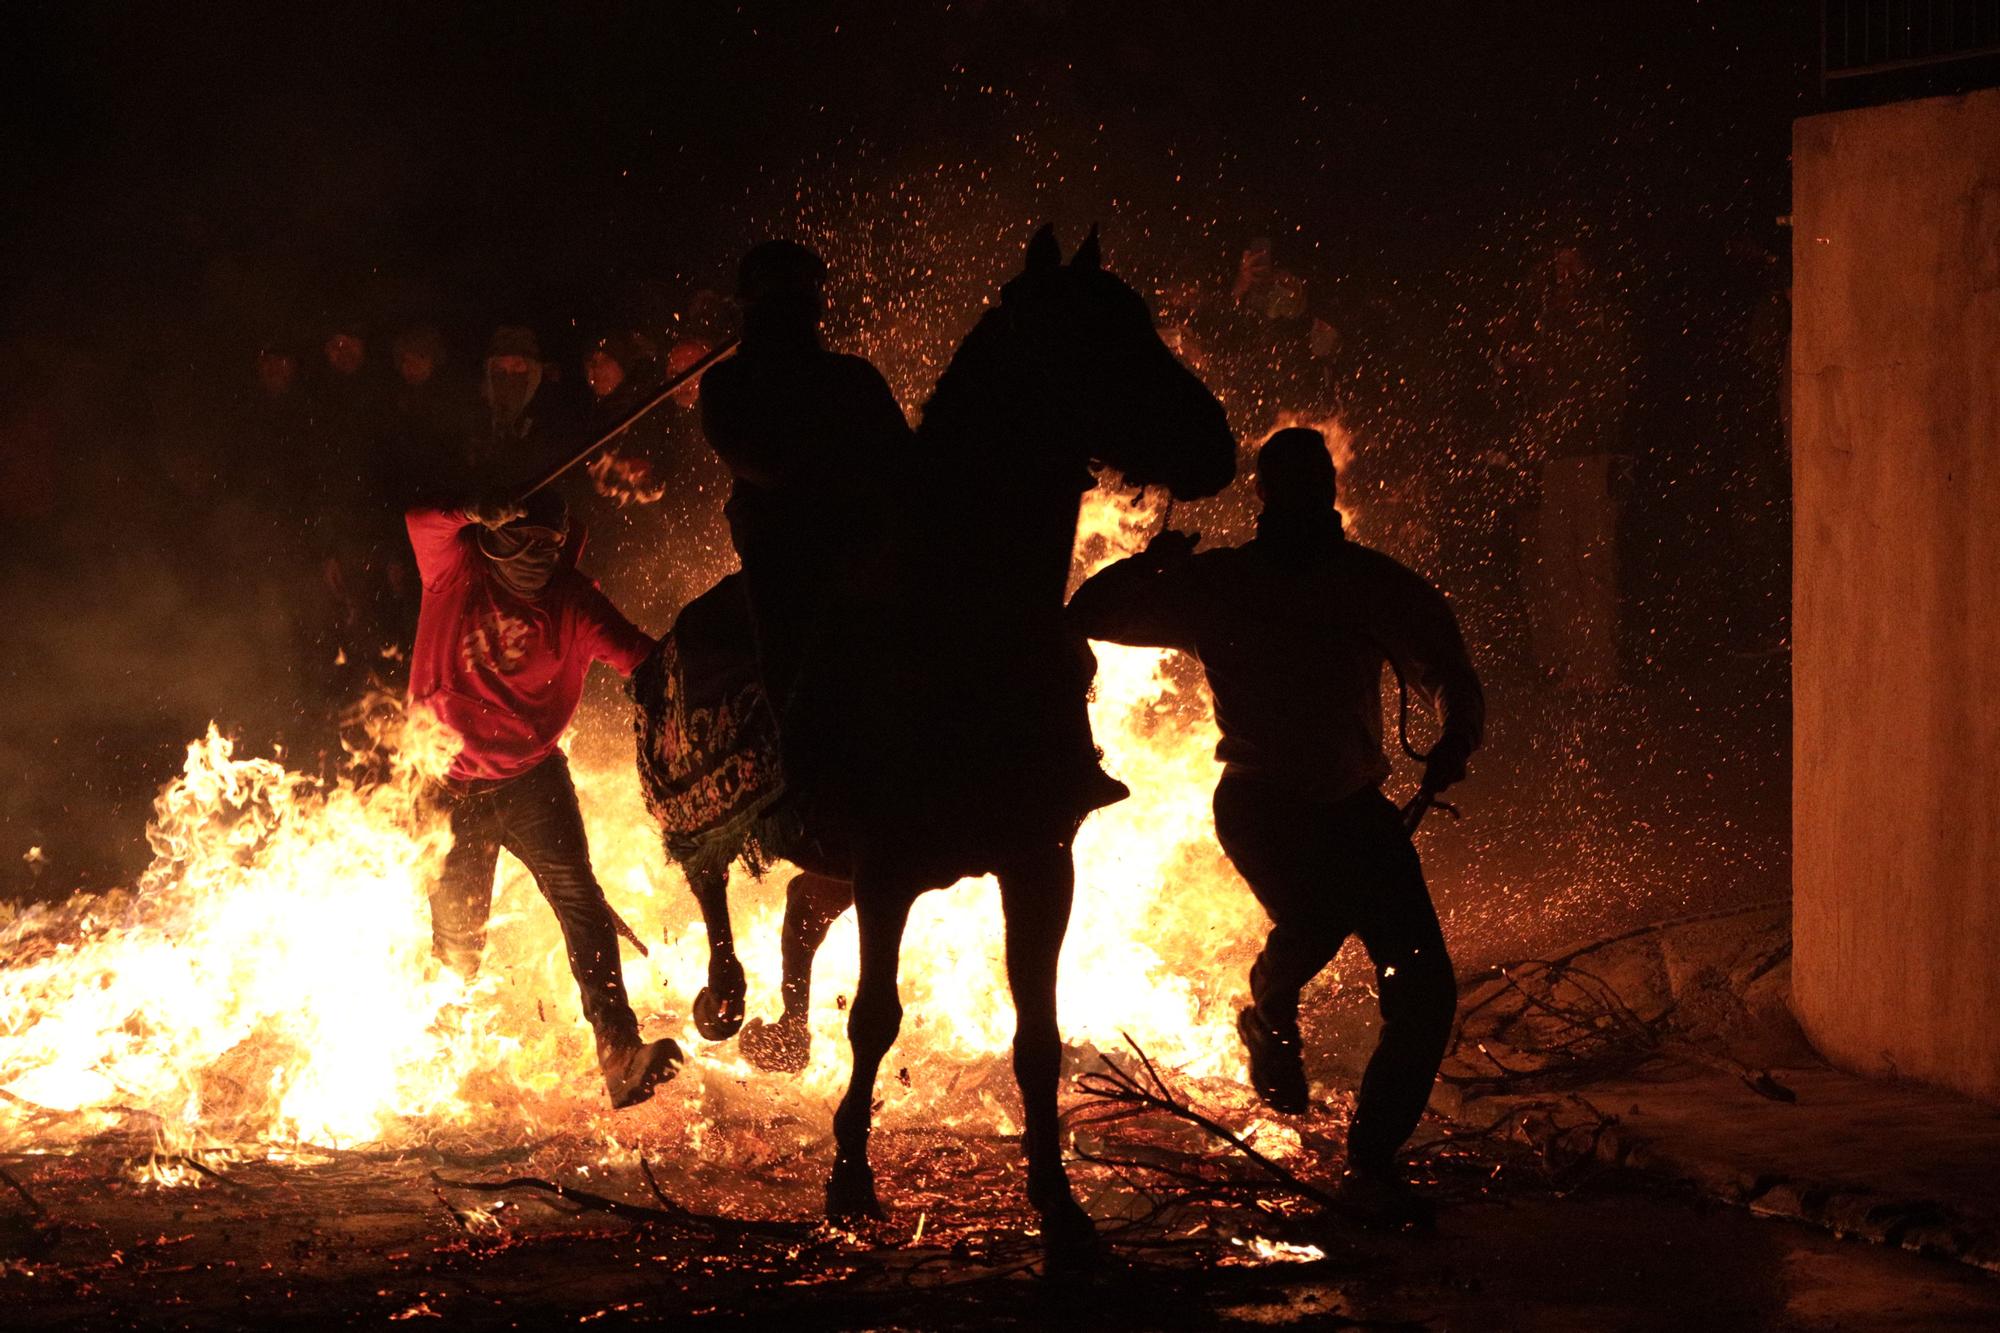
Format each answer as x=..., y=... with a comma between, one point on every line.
x=1011, y=410
x=962, y=399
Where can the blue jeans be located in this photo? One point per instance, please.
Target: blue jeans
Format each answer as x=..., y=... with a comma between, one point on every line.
x=534, y=816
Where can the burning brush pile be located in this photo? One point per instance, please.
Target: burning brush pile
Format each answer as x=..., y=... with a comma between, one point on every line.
x=266, y=991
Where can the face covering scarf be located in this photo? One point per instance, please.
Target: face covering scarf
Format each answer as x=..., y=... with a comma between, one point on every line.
x=509, y=393
x=523, y=558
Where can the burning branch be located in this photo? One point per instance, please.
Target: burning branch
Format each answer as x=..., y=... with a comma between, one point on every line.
x=206, y=1171
x=1121, y=1094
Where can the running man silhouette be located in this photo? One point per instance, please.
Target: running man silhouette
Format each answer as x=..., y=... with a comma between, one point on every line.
x=1292, y=629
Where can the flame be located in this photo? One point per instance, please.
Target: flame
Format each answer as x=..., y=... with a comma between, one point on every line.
x=266, y=982
x=625, y=479
x=268, y=989
x=1263, y=1250
x=1339, y=443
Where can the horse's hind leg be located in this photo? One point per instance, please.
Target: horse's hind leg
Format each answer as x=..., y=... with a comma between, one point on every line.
x=718, y=1009
x=812, y=902
x=1035, y=895
x=882, y=907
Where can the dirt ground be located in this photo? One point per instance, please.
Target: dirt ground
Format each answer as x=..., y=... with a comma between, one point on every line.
x=410, y=1237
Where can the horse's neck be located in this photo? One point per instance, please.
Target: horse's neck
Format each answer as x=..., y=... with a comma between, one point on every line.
x=1009, y=506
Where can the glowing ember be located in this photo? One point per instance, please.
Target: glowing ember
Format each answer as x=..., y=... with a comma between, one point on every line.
x=1258, y=1249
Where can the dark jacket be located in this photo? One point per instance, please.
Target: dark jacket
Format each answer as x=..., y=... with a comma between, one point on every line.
x=1293, y=629
x=812, y=439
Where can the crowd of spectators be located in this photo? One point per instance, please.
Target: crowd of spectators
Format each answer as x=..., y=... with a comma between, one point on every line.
x=368, y=422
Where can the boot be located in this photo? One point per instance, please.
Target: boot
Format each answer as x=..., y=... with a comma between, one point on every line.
x=634, y=1068
x=1277, y=1069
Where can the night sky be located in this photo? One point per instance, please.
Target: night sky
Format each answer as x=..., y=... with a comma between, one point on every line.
x=554, y=166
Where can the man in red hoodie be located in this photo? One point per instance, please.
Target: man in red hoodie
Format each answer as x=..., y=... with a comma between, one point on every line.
x=505, y=637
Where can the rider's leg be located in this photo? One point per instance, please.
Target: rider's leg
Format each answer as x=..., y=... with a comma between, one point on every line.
x=1282, y=845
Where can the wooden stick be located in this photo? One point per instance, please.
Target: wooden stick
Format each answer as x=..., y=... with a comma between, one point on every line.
x=668, y=390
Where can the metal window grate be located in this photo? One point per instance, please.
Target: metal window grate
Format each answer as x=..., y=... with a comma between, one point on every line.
x=1861, y=37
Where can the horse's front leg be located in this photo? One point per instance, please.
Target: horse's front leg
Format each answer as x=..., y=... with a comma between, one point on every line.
x=882, y=908
x=718, y=1009
x=1035, y=895
x=812, y=903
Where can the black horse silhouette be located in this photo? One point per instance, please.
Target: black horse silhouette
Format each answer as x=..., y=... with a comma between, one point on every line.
x=971, y=748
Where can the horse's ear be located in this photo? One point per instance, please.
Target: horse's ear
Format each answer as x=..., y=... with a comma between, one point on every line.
x=1043, y=252
x=1089, y=254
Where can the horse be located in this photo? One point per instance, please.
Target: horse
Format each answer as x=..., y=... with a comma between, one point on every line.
x=971, y=753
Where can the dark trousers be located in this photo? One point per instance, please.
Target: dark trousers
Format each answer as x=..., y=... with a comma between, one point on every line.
x=1324, y=870
x=534, y=816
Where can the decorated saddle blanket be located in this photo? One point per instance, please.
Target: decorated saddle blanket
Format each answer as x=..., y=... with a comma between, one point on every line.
x=708, y=738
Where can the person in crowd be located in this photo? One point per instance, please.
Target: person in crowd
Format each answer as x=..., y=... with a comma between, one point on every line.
x=1292, y=629
x=660, y=484
x=609, y=367
x=621, y=372
x=346, y=351
x=352, y=542
x=406, y=462
x=418, y=354
x=515, y=420
x=274, y=416
x=274, y=421
x=694, y=480
x=346, y=402
x=425, y=427
x=506, y=635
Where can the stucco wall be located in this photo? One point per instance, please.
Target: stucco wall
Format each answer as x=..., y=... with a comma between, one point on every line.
x=1896, y=588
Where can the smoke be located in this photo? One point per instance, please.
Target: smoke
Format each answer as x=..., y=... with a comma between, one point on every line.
x=108, y=675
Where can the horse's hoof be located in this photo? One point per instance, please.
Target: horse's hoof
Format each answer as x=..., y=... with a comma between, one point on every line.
x=1069, y=1237
x=850, y=1193
x=783, y=1047
x=1070, y=1243
x=1384, y=1201
x=717, y=1018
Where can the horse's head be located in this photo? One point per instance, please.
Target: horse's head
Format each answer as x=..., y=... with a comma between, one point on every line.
x=1093, y=362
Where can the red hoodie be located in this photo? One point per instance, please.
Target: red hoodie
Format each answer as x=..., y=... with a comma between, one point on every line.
x=503, y=671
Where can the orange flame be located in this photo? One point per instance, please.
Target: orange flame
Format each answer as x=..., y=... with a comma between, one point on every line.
x=268, y=987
